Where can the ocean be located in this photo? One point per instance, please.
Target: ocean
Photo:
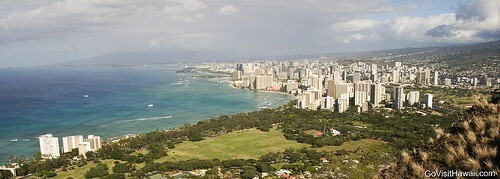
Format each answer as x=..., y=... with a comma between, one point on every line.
x=109, y=102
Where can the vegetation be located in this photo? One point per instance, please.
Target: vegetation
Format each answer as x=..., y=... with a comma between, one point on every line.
x=402, y=129
x=244, y=145
x=250, y=143
x=472, y=144
x=100, y=170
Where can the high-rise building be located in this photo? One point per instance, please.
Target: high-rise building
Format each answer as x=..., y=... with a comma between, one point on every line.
x=359, y=98
x=291, y=85
x=413, y=97
x=420, y=80
x=49, y=146
x=427, y=76
x=374, y=73
x=428, y=100
x=436, y=78
x=261, y=82
x=376, y=94
x=337, y=89
x=91, y=143
x=71, y=142
x=356, y=77
x=328, y=103
x=343, y=103
x=363, y=86
x=396, y=76
x=399, y=97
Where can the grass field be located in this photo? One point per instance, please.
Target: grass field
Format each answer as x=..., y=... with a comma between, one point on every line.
x=353, y=145
x=246, y=144
x=79, y=172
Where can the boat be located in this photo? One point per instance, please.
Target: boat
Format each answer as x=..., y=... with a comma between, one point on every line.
x=14, y=140
x=86, y=96
x=151, y=105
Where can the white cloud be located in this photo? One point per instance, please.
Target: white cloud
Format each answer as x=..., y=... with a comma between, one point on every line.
x=70, y=16
x=227, y=9
x=353, y=25
x=260, y=27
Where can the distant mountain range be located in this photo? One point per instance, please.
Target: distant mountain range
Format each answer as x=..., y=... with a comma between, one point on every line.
x=476, y=50
x=149, y=57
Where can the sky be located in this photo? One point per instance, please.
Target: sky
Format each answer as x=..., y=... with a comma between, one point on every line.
x=49, y=31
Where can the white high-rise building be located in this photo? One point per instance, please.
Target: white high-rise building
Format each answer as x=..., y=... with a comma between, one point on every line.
x=359, y=98
x=49, y=146
x=91, y=143
x=71, y=142
x=428, y=100
x=399, y=97
x=291, y=85
x=343, y=103
x=395, y=76
x=436, y=78
x=328, y=103
x=413, y=97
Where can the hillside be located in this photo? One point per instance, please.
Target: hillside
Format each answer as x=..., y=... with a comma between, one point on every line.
x=471, y=144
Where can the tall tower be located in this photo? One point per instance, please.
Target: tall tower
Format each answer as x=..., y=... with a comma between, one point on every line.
x=49, y=146
x=71, y=142
x=376, y=94
x=427, y=76
x=436, y=78
x=399, y=97
x=428, y=100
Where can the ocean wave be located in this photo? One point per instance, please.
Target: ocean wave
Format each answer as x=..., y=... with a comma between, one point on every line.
x=148, y=118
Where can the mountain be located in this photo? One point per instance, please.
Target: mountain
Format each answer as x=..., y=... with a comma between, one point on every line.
x=155, y=57
x=465, y=52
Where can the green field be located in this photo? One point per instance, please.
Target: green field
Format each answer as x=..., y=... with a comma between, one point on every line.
x=354, y=145
x=246, y=144
x=78, y=172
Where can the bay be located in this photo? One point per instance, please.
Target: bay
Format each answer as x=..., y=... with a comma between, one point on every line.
x=109, y=102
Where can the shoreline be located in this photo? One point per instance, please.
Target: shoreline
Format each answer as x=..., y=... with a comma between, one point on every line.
x=289, y=96
x=113, y=138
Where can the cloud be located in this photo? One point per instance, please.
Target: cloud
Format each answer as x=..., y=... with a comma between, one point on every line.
x=70, y=16
x=228, y=9
x=259, y=27
x=353, y=25
x=473, y=21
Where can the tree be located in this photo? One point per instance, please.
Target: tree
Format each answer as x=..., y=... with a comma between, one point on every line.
x=249, y=172
x=195, y=137
x=264, y=167
x=121, y=168
x=115, y=176
x=5, y=174
x=100, y=170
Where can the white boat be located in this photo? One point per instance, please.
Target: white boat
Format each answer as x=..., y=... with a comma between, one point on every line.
x=151, y=105
x=86, y=96
x=14, y=140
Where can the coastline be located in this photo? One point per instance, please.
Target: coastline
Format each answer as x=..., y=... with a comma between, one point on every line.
x=289, y=96
x=246, y=102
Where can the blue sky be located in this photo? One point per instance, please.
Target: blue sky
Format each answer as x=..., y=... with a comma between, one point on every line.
x=50, y=31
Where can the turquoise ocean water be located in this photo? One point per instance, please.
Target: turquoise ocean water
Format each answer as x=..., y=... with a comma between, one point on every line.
x=36, y=101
